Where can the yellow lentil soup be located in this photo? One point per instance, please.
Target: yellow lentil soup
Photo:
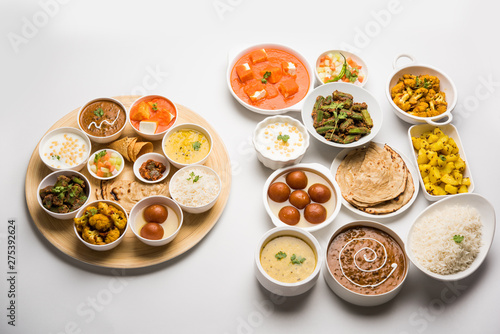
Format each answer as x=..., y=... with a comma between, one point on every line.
x=187, y=146
x=288, y=259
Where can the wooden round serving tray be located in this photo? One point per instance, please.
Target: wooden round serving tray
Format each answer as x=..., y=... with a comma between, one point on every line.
x=131, y=253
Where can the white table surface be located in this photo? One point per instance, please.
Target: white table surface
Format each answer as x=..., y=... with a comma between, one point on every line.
x=56, y=55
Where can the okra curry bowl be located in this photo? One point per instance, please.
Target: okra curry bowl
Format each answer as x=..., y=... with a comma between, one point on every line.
x=342, y=115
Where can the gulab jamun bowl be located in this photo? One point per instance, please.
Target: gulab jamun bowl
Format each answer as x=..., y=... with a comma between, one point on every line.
x=156, y=220
x=304, y=195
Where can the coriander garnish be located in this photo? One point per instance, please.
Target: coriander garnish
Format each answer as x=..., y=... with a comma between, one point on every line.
x=99, y=112
x=284, y=138
x=193, y=177
x=265, y=76
x=280, y=255
x=297, y=260
x=196, y=145
x=458, y=238
x=155, y=106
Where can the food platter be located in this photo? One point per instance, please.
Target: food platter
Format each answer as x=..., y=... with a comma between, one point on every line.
x=131, y=253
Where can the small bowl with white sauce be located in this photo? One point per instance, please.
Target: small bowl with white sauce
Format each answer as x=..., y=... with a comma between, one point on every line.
x=195, y=188
x=280, y=141
x=65, y=149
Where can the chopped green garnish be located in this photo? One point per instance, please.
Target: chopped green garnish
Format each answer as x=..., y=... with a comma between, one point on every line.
x=442, y=157
x=155, y=106
x=99, y=112
x=99, y=156
x=458, y=238
x=265, y=76
x=193, y=177
x=280, y=255
x=284, y=138
x=91, y=212
x=196, y=145
x=297, y=260
x=55, y=157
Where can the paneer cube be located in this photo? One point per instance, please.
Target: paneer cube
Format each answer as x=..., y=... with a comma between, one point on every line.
x=289, y=68
x=272, y=74
x=288, y=87
x=141, y=113
x=244, y=72
x=256, y=91
x=258, y=56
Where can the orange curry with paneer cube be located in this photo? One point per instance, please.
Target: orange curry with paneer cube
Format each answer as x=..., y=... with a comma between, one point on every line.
x=270, y=79
x=158, y=113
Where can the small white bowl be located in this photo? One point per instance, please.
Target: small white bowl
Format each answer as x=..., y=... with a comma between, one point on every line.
x=315, y=168
x=451, y=131
x=186, y=126
x=109, y=177
x=446, y=85
x=200, y=208
x=50, y=180
x=359, y=95
x=106, y=246
x=234, y=60
x=355, y=297
x=411, y=169
x=347, y=54
x=60, y=131
x=487, y=213
x=106, y=139
x=147, y=201
x=288, y=289
x=273, y=161
x=152, y=136
x=156, y=157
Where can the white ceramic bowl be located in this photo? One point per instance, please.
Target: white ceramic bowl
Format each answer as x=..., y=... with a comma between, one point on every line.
x=273, y=161
x=359, y=95
x=152, y=136
x=147, y=201
x=411, y=168
x=109, y=177
x=156, y=157
x=288, y=289
x=186, y=126
x=347, y=54
x=189, y=208
x=59, y=131
x=315, y=168
x=451, y=131
x=488, y=218
x=110, y=138
x=234, y=59
x=446, y=85
x=106, y=246
x=355, y=297
x=50, y=180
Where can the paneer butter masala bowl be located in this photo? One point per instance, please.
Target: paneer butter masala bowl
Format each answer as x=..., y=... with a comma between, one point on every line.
x=269, y=79
x=151, y=116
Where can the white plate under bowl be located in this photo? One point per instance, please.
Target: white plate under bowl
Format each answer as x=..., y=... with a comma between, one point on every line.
x=451, y=131
x=487, y=213
x=359, y=95
x=411, y=168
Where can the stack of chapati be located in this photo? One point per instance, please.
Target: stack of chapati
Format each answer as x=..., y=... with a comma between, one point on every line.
x=375, y=179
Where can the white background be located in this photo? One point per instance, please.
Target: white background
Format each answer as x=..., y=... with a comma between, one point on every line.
x=56, y=55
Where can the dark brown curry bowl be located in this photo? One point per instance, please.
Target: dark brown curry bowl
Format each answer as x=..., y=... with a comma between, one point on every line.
x=103, y=119
x=50, y=181
x=375, y=267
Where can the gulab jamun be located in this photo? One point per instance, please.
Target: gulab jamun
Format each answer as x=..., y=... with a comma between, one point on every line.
x=299, y=199
x=155, y=213
x=289, y=215
x=315, y=213
x=296, y=179
x=152, y=231
x=278, y=192
x=319, y=193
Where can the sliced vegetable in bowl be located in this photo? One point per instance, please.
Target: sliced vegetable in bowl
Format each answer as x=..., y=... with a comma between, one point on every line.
x=341, y=66
x=105, y=164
